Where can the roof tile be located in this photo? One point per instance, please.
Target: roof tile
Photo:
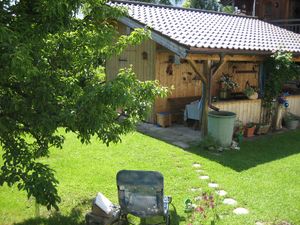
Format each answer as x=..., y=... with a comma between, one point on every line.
x=205, y=29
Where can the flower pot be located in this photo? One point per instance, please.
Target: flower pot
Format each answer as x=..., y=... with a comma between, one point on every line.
x=240, y=138
x=292, y=124
x=224, y=94
x=249, y=131
x=262, y=129
x=254, y=96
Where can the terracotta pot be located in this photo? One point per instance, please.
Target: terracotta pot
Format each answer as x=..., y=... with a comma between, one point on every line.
x=249, y=131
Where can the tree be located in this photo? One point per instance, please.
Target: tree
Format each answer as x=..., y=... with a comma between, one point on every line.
x=163, y=2
x=52, y=75
x=279, y=68
x=214, y=5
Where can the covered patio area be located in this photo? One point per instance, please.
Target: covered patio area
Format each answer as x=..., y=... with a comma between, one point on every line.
x=178, y=135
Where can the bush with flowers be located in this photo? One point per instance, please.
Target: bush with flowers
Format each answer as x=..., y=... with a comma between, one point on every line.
x=202, y=211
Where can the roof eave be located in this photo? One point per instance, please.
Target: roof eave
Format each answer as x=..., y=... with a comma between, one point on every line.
x=194, y=50
x=159, y=38
x=233, y=54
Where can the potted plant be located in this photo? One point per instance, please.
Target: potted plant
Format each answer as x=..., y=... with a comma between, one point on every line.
x=249, y=129
x=238, y=131
x=290, y=121
x=226, y=86
x=251, y=92
x=262, y=128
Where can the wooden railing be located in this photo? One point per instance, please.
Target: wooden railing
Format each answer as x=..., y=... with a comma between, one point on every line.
x=290, y=24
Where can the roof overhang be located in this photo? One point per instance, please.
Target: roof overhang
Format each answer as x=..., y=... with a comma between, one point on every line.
x=161, y=39
x=195, y=50
x=201, y=53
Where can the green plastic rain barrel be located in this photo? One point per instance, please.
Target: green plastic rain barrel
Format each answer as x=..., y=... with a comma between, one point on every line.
x=220, y=126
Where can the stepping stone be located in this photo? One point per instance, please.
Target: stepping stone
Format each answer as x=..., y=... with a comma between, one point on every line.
x=195, y=189
x=196, y=165
x=213, y=185
x=229, y=201
x=221, y=193
x=259, y=223
x=198, y=198
x=241, y=211
x=204, y=177
x=180, y=144
x=200, y=171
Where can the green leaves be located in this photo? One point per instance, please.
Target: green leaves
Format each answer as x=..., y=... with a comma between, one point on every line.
x=279, y=69
x=52, y=75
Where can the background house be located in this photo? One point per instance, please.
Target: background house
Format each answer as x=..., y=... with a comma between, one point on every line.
x=284, y=13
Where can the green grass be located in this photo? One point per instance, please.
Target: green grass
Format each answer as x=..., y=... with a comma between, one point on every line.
x=263, y=177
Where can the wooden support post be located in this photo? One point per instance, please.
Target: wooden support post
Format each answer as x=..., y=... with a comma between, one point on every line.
x=205, y=97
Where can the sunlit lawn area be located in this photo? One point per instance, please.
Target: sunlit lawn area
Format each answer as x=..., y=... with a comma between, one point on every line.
x=263, y=177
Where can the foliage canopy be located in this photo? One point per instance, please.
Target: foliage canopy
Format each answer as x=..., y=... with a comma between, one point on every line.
x=52, y=75
x=214, y=5
x=279, y=69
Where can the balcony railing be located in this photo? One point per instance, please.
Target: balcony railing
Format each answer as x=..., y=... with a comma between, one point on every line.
x=290, y=24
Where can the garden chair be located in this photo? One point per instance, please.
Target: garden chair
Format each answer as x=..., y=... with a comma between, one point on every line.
x=141, y=193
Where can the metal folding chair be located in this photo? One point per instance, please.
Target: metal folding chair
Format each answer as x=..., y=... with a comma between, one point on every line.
x=141, y=193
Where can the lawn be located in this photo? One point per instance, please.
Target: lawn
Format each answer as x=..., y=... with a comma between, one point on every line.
x=263, y=177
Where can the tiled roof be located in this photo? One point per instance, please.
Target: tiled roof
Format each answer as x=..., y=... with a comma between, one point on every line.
x=200, y=29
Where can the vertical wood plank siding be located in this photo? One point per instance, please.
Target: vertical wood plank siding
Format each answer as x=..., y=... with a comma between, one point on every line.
x=133, y=56
x=294, y=102
x=250, y=110
x=246, y=110
x=183, y=80
x=240, y=72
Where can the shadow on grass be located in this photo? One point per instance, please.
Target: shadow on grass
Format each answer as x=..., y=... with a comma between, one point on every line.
x=77, y=214
x=255, y=152
x=175, y=219
x=75, y=217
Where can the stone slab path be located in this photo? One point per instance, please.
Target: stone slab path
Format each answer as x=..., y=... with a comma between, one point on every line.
x=213, y=185
x=229, y=201
x=177, y=135
x=241, y=211
x=220, y=192
x=204, y=177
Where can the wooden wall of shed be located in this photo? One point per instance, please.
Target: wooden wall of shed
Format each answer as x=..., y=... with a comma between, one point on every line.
x=183, y=79
x=294, y=102
x=241, y=72
x=133, y=55
x=250, y=110
x=246, y=110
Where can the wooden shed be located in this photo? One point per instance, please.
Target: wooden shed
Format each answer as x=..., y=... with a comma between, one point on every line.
x=191, y=49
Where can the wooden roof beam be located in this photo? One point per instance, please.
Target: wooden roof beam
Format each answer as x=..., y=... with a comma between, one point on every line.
x=216, y=57
x=196, y=70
